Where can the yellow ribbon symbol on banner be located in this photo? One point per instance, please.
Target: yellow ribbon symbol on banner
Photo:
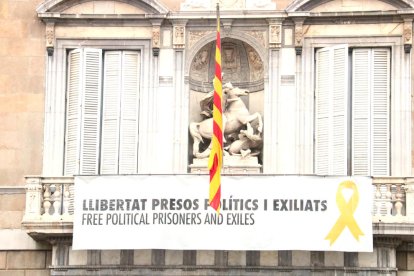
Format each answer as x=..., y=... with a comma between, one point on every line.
x=347, y=210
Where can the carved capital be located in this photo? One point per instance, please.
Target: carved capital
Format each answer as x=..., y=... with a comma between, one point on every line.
x=298, y=35
x=156, y=40
x=50, y=37
x=408, y=34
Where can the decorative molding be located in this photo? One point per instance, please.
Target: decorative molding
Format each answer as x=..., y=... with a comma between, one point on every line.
x=194, y=36
x=9, y=190
x=151, y=6
x=388, y=242
x=259, y=35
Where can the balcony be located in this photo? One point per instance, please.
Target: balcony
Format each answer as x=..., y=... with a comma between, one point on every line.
x=49, y=207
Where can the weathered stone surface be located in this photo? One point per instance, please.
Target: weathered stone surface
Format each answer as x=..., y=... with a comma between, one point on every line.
x=268, y=258
x=11, y=219
x=44, y=272
x=26, y=259
x=205, y=257
x=300, y=258
x=3, y=260
x=142, y=257
x=334, y=258
x=237, y=258
x=110, y=257
x=173, y=257
x=12, y=273
x=77, y=257
x=12, y=202
x=368, y=259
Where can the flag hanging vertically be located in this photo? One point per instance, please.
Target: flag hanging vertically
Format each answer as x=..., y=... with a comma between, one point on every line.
x=216, y=154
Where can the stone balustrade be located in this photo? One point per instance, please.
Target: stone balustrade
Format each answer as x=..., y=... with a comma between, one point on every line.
x=51, y=199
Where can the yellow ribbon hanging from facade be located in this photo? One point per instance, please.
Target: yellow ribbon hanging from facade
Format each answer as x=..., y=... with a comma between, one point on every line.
x=347, y=210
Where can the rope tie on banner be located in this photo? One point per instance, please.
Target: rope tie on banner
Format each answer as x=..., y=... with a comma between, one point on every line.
x=347, y=210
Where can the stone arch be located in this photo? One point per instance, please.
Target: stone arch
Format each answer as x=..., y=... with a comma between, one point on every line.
x=306, y=5
x=150, y=6
x=238, y=35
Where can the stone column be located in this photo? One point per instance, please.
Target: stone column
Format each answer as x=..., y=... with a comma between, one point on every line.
x=181, y=99
x=386, y=251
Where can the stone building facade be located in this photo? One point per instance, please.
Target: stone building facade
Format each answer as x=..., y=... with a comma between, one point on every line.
x=296, y=57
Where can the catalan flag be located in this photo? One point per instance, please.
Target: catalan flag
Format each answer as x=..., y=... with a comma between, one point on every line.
x=216, y=154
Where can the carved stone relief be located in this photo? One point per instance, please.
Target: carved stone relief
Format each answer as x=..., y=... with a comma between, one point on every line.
x=255, y=64
x=156, y=37
x=259, y=35
x=178, y=36
x=242, y=69
x=50, y=37
x=275, y=37
x=298, y=35
x=408, y=32
x=195, y=36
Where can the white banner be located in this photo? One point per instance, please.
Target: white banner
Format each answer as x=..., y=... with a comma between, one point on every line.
x=257, y=213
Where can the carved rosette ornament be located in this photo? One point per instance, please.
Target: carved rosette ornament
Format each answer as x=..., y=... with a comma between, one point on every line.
x=50, y=38
x=179, y=36
x=408, y=35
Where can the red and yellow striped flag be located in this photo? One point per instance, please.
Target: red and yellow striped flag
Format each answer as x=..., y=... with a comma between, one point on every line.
x=216, y=154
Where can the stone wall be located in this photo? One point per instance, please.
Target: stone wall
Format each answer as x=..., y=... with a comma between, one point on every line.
x=25, y=263
x=22, y=78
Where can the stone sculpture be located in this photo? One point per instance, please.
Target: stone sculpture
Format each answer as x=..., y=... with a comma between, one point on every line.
x=242, y=130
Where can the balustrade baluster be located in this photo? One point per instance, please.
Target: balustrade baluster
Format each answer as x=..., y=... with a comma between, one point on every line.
x=378, y=199
x=388, y=203
x=46, y=200
x=66, y=200
x=57, y=200
x=398, y=200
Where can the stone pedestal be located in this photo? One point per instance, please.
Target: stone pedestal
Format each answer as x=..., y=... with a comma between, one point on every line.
x=231, y=165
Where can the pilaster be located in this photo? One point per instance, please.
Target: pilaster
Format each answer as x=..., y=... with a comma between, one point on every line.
x=181, y=99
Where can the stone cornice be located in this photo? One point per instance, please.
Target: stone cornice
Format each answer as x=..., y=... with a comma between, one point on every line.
x=307, y=17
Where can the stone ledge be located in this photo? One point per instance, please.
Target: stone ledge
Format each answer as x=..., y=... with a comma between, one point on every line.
x=208, y=270
x=45, y=231
x=404, y=231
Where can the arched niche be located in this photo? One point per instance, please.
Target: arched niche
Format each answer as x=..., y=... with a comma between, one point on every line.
x=242, y=66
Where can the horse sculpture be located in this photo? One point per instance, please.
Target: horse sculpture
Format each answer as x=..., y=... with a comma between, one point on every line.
x=236, y=116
